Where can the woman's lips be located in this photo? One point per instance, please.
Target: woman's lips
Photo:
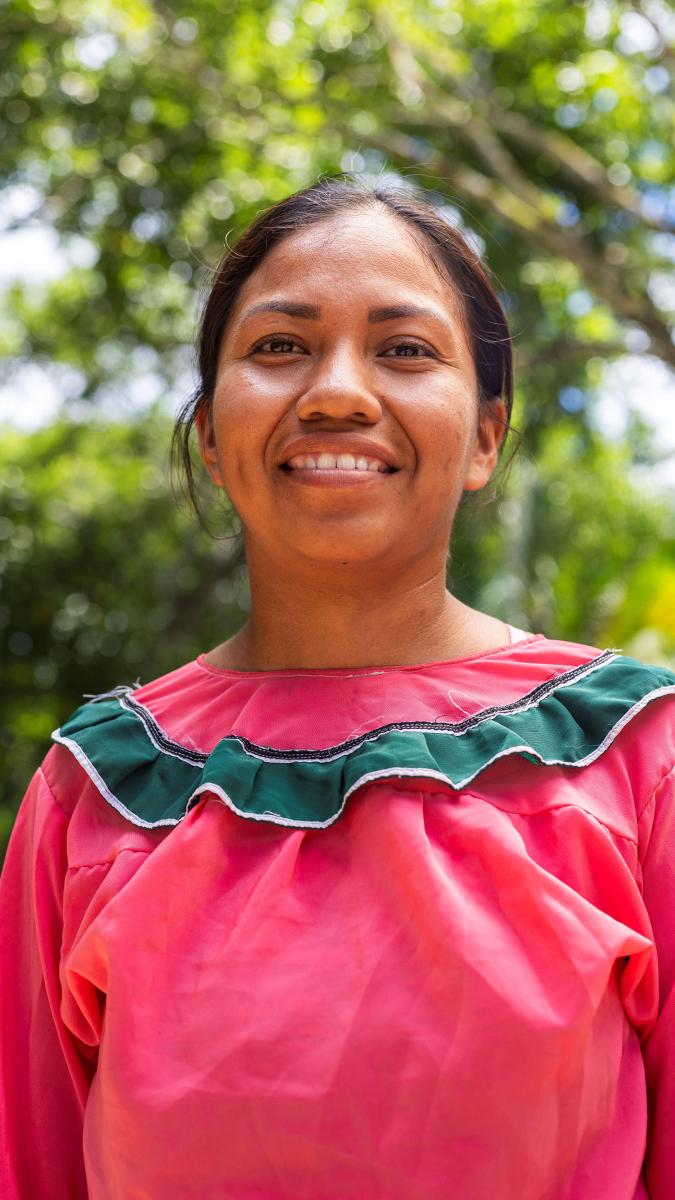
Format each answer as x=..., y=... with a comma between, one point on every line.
x=336, y=470
x=362, y=465
x=341, y=462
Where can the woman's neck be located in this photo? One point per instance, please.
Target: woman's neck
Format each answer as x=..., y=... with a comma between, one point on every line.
x=341, y=624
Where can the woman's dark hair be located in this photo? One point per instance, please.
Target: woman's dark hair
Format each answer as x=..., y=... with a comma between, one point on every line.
x=487, y=327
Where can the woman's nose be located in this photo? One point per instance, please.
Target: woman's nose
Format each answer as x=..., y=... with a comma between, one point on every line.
x=340, y=388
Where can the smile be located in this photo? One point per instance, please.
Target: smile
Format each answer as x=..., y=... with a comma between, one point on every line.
x=336, y=462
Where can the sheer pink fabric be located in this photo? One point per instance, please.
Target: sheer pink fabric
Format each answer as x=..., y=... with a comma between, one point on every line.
x=443, y=994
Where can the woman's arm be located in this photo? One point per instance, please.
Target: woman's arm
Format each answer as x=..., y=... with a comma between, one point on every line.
x=44, y=1072
x=659, y=1050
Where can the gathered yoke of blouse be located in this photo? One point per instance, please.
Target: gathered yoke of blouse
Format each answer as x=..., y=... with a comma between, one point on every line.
x=396, y=934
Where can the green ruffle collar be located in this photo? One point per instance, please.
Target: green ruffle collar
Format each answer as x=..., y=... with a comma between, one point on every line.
x=153, y=781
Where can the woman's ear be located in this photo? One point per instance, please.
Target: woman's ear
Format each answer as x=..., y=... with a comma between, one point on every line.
x=208, y=448
x=492, y=426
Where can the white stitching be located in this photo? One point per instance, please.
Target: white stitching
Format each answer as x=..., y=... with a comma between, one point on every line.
x=270, y=817
x=88, y=766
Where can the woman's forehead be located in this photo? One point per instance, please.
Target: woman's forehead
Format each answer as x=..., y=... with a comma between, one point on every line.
x=359, y=251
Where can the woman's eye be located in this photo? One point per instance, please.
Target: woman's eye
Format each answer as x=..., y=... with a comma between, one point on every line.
x=277, y=345
x=409, y=350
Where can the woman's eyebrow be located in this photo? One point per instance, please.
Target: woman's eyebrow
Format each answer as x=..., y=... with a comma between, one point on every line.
x=311, y=312
x=308, y=312
x=393, y=311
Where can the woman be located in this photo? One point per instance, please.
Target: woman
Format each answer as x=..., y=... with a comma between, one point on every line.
x=374, y=899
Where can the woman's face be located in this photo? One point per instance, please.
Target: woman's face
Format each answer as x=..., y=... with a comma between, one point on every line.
x=345, y=420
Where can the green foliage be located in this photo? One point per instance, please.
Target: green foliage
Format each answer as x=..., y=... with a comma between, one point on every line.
x=575, y=548
x=103, y=577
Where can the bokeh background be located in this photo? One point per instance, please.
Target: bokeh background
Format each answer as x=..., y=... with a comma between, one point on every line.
x=139, y=136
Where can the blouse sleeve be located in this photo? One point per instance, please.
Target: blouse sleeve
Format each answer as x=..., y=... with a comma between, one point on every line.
x=45, y=1072
x=658, y=868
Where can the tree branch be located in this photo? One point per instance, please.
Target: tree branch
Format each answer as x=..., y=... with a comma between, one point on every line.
x=477, y=116
x=574, y=161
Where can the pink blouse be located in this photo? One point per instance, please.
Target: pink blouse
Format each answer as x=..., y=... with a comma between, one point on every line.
x=398, y=934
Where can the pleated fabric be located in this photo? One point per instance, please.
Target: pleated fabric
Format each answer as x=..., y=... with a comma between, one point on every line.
x=395, y=934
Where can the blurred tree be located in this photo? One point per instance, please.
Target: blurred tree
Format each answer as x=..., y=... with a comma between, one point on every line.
x=579, y=548
x=102, y=577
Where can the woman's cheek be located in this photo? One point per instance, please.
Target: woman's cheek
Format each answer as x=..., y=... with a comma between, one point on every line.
x=443, y=441
x=244, y=437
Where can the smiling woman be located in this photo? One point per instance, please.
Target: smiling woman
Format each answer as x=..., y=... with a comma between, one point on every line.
x=358, y=326
x=373, y=898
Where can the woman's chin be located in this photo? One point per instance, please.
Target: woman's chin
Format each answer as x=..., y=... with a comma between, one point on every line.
x=342, y=548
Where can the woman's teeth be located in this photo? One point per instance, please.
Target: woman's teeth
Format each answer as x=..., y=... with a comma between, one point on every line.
x=332, y=462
